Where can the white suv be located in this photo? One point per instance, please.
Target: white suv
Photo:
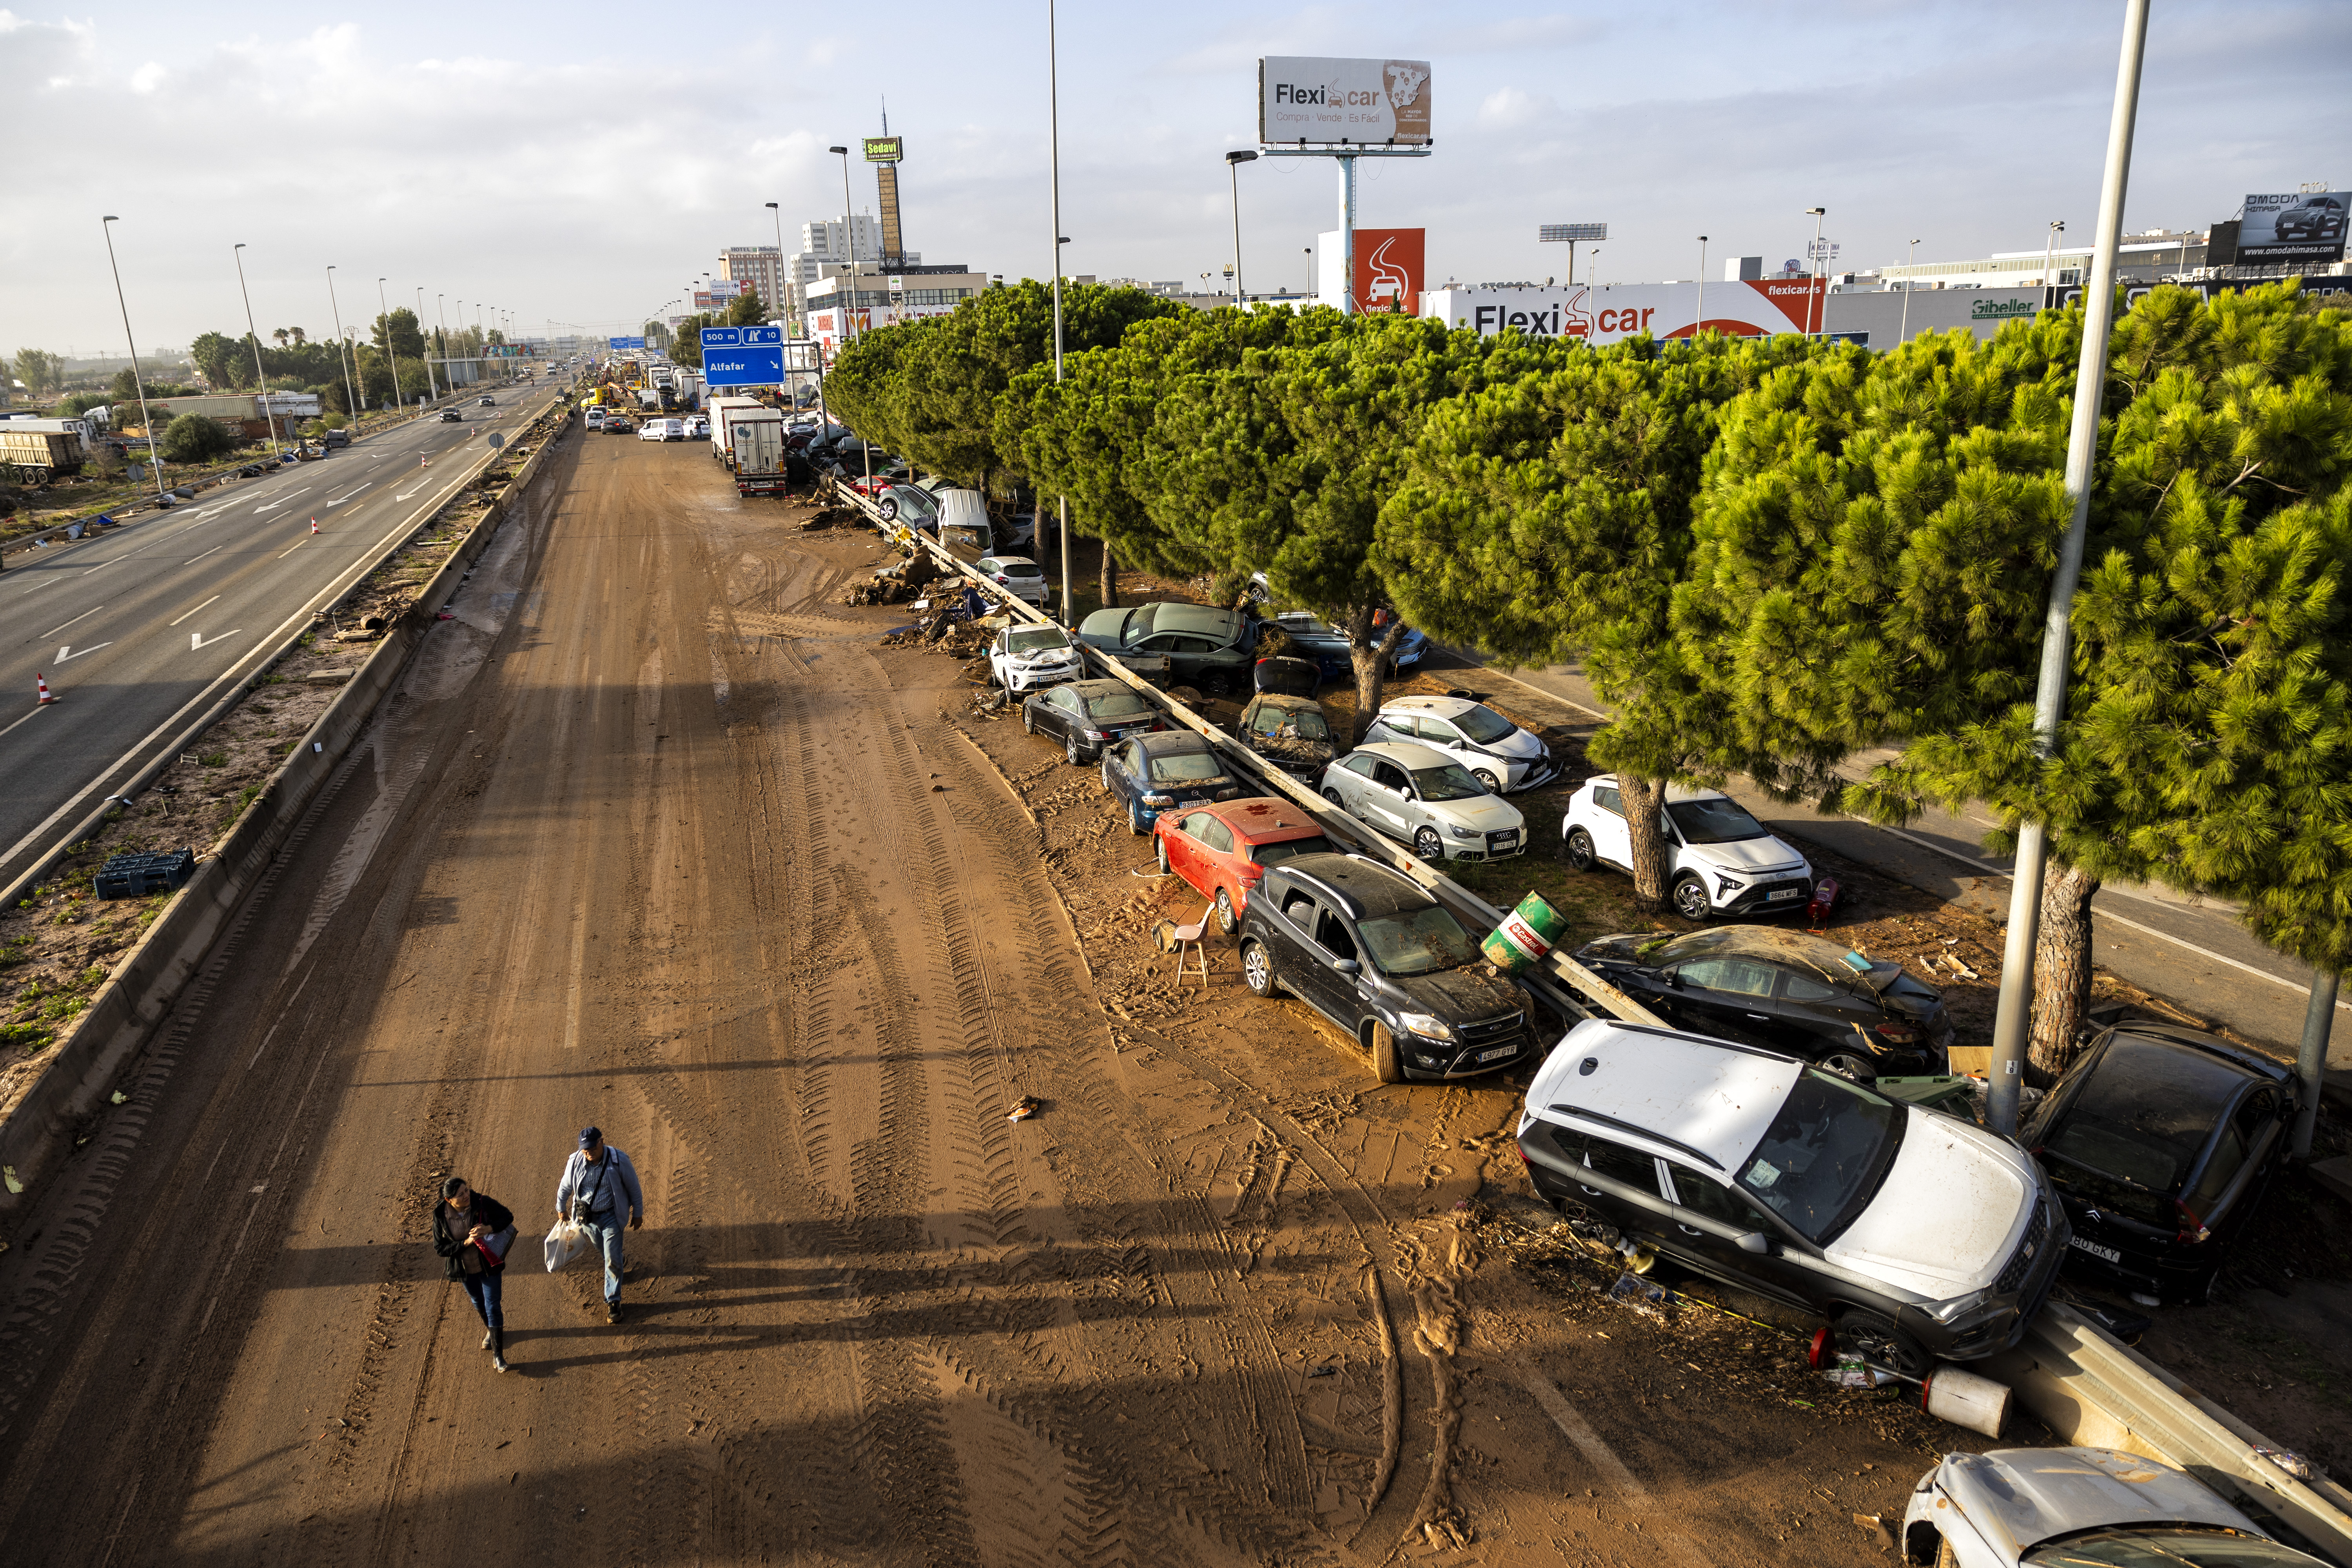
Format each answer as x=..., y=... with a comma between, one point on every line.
x=1725, y=861
x=1493, y=749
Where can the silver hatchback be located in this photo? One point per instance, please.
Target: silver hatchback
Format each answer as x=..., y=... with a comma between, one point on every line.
x=1428, y=800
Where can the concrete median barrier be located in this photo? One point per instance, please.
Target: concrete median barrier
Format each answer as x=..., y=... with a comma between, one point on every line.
x=43, y=1127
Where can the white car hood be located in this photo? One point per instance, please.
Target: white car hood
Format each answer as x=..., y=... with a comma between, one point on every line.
x=1949, y=1213
x=1487, y=813
x=1747, y=857
x=2017, y=1499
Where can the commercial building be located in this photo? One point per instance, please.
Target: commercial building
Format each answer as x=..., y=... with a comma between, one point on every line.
x=759, y=265
x=2155, y=256
x=825, y=242
x=840, y=304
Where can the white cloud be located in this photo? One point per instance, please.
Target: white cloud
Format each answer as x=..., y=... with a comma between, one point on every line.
x=147, y=78
x=1510, y=108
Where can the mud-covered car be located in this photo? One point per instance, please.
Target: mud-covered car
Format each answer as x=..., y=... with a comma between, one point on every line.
x=1164, y=771
x=1862, y=1017
x=1387, y=963
x=1284, y=723
x=1086, y=716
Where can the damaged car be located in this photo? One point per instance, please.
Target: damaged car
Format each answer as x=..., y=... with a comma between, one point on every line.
x=1861, y=1018
x=1089, y=716
x=1223, y=851
x=1147, y=775
x=1388, y=965
x=1284, y=723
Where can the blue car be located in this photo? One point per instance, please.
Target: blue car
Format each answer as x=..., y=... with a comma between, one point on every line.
x=1160, y=772
x=1327, y=646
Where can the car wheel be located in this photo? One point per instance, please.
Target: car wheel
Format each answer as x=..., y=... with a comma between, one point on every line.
x=1427, y=844
x=1258, y=969
x=1160, y=852
x=1333, y=796
x=1386, y=1066
x=1028, y=721
x=1135, y=823
x=1845, y=1064
x=1491, y=784
x=1227, y=921
x=1690, y=897
x=1070, y=750
x=1580, y=853
x=1876, y=1340
x=888, y=508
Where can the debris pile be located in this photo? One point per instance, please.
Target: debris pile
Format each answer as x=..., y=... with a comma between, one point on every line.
x=897, y=582
x=830, y=516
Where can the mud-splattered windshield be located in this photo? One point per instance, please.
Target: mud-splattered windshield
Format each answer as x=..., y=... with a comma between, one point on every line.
x=1036, y=639
x=1274, y=723
x=1451, y=782
x=1419, y=942
x=1186, y=767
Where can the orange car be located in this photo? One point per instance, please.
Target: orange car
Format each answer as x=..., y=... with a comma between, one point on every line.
x=1223, y=849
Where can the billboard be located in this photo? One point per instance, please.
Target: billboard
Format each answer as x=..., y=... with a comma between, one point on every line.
x=1388, y=272
x=1305, y=97
x=1604, y=314
x=2301, y=227
x=885, y=149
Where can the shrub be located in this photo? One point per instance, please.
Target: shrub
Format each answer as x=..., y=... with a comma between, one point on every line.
x=195, y=439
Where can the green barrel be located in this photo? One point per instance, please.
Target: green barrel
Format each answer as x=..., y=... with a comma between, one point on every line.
x=1525, y=935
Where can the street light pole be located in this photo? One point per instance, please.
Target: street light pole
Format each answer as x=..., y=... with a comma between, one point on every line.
x=154, y=451
x=261, y=381
x=1814, y=267
x=1233, y=162
x=344, y=347
x=389, y=356
x=1902, y=334
x=2049, y=250
x=1700, y=320
x=441, y=314
x=431, y=387
x=1054, y=166
x=2014, y=1010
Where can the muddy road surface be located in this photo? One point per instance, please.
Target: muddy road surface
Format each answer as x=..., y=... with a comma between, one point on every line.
x=656, y=835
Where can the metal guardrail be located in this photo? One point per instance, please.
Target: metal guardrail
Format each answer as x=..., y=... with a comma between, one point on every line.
x=1564, y=984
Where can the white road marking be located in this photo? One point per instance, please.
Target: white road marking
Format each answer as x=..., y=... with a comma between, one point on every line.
x=68, y=651
x=75, y=622
x=1601, y=1456
x=282, y=501
x=214, y=551
x=178, y=618
x=293, y=547
x=34, y=714
x=197, y=639
x=346, y=495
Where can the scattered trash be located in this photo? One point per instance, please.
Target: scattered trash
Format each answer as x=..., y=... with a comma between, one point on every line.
x=1326, y=1371
x=1965, y=1400
x=2293, y=1464
x=1525, y=935
x=118, y=1098
x=1878, y=1522
x=1850, y=1371
x=9, y=1175
x=1642, y=1295
x=1825, y=897
x=1026, y=1107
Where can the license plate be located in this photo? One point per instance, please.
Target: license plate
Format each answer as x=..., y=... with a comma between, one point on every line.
x=2095, y=1250
x=1774, y=898
x=1498, y=1053
x=1510, y=837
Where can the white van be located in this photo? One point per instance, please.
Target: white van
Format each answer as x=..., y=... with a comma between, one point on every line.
x=964, y=529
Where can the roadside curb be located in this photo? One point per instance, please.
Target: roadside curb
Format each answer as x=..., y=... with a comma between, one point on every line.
x=43, y=1129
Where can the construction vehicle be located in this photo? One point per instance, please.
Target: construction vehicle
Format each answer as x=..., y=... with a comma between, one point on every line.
x=35, y=451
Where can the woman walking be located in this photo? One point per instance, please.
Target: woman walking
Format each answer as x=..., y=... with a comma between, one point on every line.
x=473, y=1231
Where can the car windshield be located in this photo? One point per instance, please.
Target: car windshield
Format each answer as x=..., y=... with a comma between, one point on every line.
x=1306, y=624
x=1186, y=767
x=1290, y=724
x=1824, y=1154
x=1421, y=942
x=1116, y=705
x=1451, y=782
x=1289, y=849
x=1036, y=639
x=1484, y=725
x=1714, y=821
x=2165, y=1546
x=1020, y=569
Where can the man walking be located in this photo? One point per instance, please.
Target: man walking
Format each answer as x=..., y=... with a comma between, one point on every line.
x=599, y=1190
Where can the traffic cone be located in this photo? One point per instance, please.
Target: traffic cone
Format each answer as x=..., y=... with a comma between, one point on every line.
x=314, y=525
x=42, y=682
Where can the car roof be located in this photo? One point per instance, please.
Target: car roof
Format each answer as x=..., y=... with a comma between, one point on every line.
x=1410, y=755
x=1444, y=707
x=1773, y=944
x=1265, y=819
x=1361, y=887
x=1174, y=615
x=1006, y=561
x=1676, y=794
x=1086, y=690
x=1679, y=1093
x=1172, y=743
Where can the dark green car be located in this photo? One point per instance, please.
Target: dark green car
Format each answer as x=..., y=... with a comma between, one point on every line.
x=1205, y=647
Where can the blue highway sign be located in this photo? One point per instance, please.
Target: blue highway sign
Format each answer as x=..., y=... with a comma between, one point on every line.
x=742, y=356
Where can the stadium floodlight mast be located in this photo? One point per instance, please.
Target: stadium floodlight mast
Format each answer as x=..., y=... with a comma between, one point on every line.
x=1574, y=234
x=154, y=454
x=1233, y=162
x=2014, y=1010
x=261, y=381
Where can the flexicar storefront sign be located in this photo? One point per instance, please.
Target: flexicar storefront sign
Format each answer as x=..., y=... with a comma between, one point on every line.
x=1607, y=313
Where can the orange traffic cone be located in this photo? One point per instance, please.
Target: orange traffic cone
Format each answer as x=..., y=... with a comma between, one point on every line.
x=42, y=682
x=314, y=525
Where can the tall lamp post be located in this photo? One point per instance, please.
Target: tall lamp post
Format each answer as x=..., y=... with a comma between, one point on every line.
x=1054, y=167
x=154, y=453
x=2050, y=252
x=342, y=345
x=1814, y=267
x=393, y=359
x=1233, y=162
x=1911, y=260
x=261, y=381
x=431, y=387
x=441, y=314
x=1700, y=320
x=2013, y=1013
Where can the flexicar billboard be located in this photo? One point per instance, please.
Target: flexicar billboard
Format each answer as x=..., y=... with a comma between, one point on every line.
x=1608, y=313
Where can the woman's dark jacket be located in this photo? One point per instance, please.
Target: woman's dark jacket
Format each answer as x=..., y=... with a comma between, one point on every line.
x=447, y=1242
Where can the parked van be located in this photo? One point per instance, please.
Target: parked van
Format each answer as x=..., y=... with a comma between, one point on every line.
x=965, y=532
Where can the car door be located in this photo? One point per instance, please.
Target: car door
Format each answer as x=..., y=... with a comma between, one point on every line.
x=1613, y=1160
x=1351, y=780
x=1327, y=987
x=1391, y=800
x=1185, y=855
x=1125, y=768
x=1727, y=993
x=1771, y=1272
x=1612, y=841
x=1063, y=713
x=1440, y=735
x=1214, y=857
x=1292, y=930
x=1812, y=1015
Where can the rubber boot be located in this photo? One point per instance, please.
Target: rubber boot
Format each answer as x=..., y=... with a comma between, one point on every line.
x=498, y=1349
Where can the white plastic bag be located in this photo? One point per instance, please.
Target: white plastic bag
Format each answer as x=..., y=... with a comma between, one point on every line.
x=568, y=1241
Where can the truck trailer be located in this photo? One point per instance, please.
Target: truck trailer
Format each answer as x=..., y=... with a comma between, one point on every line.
x=35, y=451
x=756, y=436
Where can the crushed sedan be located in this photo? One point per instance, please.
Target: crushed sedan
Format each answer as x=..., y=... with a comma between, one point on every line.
x=1284, y=724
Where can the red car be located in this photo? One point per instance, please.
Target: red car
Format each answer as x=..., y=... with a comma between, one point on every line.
x=1223, y=849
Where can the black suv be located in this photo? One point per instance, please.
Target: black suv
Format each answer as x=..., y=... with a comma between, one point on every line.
x=1375, y=954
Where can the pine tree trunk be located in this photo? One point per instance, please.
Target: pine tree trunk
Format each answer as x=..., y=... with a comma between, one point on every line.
x=1369, y=648
x=2062, y=969
x=1643, y=799
x=1110, y=578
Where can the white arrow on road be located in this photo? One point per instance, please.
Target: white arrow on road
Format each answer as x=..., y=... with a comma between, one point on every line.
x=346, y=495
x=65, y=653
x=282, y=501
x=198, y=639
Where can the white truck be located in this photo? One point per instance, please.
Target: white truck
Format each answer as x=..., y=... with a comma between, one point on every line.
x=718, y=408
x=755, y=435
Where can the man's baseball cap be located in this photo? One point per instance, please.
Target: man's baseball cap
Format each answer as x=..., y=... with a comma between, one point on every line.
x=591, y=1135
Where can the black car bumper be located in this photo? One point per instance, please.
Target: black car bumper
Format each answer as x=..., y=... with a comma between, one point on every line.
x=1475, y=1048
x=1793, y=893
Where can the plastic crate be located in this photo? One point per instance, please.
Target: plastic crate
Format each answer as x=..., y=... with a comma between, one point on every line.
x=137, y=876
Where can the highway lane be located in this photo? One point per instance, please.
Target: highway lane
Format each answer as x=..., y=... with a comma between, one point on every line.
x=138, y=631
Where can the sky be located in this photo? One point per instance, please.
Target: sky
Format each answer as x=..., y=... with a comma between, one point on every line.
x=582, y=165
